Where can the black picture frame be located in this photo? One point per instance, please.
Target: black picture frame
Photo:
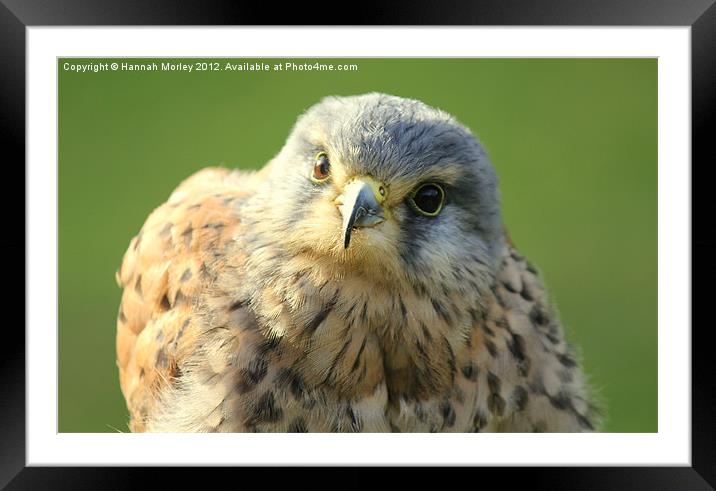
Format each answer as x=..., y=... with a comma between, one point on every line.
x=700, y=15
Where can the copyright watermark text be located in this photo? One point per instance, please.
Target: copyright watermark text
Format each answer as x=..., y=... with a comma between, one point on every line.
x=208, y=66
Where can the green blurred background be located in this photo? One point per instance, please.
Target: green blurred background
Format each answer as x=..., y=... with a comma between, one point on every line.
x=574, y=142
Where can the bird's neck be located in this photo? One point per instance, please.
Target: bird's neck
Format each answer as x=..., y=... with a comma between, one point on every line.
x=353, y=332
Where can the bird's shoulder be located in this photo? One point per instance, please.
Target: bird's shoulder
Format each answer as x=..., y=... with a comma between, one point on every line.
x=166, y=266
x=534, y=375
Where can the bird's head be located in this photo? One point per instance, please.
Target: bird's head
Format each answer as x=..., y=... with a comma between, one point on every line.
x=385, y=186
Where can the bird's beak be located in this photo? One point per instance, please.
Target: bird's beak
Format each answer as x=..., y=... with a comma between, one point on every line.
x=360, y=205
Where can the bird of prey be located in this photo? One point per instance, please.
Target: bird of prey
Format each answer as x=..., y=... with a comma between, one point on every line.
x=362, y=281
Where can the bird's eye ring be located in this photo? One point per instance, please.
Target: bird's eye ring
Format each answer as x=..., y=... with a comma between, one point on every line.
x=427, y=199
x=321, y=168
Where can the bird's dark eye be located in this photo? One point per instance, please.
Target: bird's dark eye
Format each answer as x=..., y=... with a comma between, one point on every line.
x=428, y=199
x=321, y=168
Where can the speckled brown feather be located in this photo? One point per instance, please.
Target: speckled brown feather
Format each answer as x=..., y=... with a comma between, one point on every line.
x=515, y=373
x=162, y=272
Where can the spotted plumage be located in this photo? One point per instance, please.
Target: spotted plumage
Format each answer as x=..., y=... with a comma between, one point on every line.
x=362, y=281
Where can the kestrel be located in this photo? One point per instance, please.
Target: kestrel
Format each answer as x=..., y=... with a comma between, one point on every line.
x=362, y=281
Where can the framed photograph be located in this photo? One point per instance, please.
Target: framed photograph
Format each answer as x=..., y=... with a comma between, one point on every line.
x=178, y=253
